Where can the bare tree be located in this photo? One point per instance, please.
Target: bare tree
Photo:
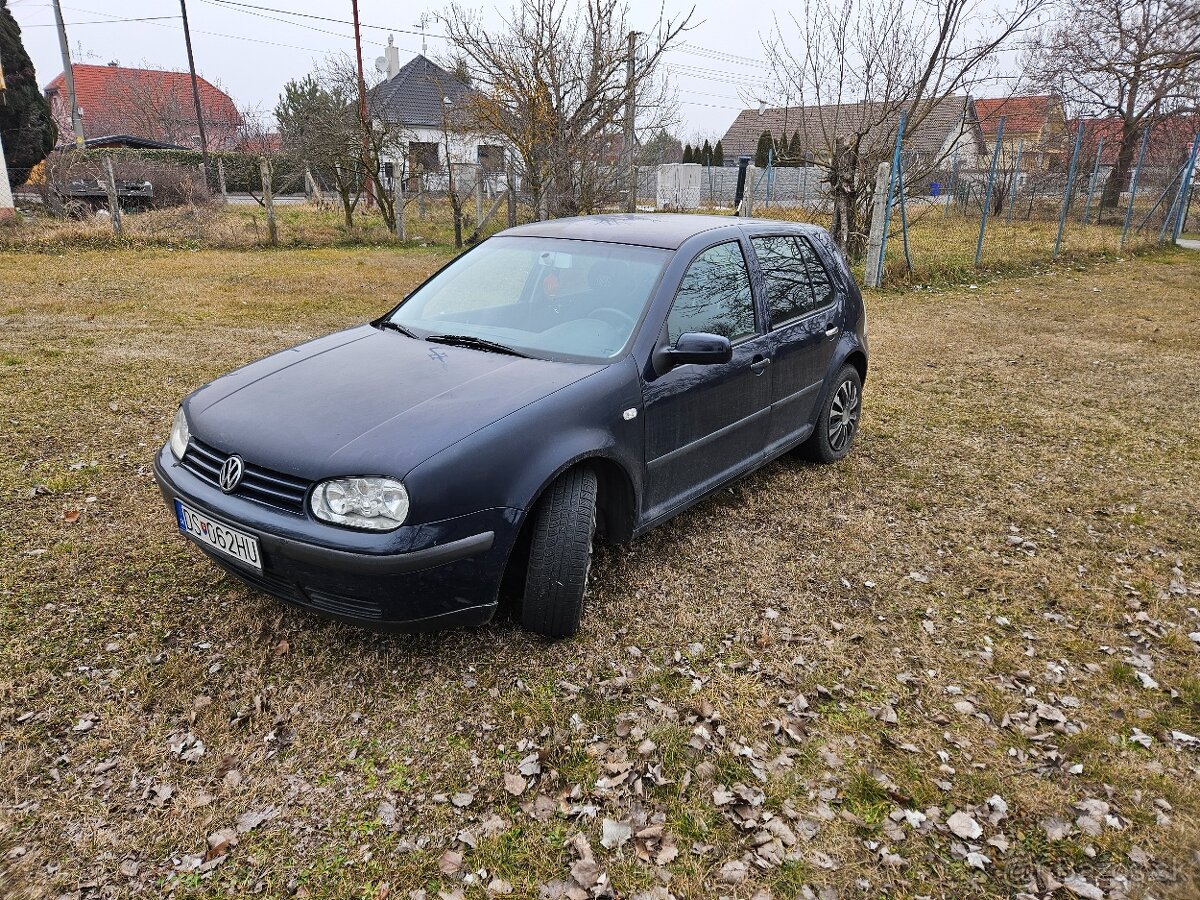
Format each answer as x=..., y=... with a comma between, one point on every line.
x=855, y=65
x=320, y=122
x=552, y=82
x=1135, y=60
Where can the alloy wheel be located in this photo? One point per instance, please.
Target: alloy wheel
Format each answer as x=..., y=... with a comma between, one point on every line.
x=843, y=415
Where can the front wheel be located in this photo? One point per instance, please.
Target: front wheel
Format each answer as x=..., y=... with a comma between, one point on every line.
x=560, y=555
x=837, y=420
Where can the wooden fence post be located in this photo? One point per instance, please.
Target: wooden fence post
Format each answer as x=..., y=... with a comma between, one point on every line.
x=478, y=195
x=512, y=197
x=110, y=188
x=310, y=186
x=398, y=206
x=264, y=169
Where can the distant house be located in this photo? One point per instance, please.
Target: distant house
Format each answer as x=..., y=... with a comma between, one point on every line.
x=1167, y=148
x=1036, y=124
x=427, y=103
x=121, y=106
x=950, y=127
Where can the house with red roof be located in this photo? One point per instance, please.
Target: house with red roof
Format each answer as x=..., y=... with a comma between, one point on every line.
x=122, y=106
x=1167, y=147
x=1035, y=123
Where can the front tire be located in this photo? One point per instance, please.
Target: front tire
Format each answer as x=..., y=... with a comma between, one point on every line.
x=837, y=420
x=560, y=555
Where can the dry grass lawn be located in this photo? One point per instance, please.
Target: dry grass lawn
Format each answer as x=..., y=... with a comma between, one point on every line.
x=962, y=662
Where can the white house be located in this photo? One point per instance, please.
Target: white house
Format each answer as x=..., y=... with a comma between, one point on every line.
x=419, y=97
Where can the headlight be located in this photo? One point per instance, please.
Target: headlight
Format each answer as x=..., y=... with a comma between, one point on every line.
x=180, y=435
x=379, y=504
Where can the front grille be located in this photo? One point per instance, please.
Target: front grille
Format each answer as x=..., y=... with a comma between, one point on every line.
x=263, y=581
x=343, y=606
x=323, y=601
x=261, y=485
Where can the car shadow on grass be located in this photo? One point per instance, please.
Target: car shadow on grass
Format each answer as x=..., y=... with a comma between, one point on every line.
x=504, y=634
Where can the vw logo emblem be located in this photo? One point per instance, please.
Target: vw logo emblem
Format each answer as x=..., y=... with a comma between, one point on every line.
x=231, y=474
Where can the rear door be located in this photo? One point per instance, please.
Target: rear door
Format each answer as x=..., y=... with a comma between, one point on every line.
x=803, y=321
x=705, y=423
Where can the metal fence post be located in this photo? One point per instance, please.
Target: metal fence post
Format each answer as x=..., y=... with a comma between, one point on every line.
x=887, y=207
x=1185, y=190
x=1087, y=206
x=1012, y=190
x=1133, y=185
x=904, y=219
x=987, y=197
x=1062, y=217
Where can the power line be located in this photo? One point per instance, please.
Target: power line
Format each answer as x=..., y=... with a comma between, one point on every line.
x=722, y=56
x=236, y=8
x=100, y=21
x=235, y=37
x=288, y=12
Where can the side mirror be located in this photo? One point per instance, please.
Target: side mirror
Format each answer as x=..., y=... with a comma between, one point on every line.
x=699, y=348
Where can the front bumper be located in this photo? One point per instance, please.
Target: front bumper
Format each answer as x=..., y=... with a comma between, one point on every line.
x=417, y=578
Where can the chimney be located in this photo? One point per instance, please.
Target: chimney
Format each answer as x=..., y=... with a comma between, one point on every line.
x=392, y=54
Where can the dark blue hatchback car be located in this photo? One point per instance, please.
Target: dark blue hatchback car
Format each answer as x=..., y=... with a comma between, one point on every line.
x=563, y=381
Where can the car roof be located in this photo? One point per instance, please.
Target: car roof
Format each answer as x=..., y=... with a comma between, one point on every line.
x=666, y=230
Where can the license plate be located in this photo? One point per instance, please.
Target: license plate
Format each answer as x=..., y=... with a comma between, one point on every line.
x=220, y=537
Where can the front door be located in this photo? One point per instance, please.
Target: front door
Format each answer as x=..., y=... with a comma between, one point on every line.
x=706, y=423
x=803, y=318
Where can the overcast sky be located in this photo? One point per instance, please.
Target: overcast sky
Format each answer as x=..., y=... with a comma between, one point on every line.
x=251, y=51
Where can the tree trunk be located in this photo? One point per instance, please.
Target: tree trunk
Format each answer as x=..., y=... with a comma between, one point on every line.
x=1118, y=177
x=843, y=189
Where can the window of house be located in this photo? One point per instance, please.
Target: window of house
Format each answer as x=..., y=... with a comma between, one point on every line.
x=424, y=157
x=714, y=296
x=491, y=157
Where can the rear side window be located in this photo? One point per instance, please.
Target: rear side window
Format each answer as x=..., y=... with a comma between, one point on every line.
x=796, y=282
x=821, y=285
x=714, y=296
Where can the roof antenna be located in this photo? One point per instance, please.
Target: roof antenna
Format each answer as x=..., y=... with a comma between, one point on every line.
x=423, y=23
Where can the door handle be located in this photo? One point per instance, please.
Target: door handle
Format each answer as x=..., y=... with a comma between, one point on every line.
x=760, y=363
x=832, y=330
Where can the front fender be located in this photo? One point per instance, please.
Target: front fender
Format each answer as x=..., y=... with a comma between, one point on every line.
x=510, y=462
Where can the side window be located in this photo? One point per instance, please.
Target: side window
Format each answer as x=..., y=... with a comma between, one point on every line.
x=786, y=278
x=822, y=288
x=714, y=296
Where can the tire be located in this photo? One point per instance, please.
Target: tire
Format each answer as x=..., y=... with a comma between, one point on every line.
x=838, y=419
x=560, y=555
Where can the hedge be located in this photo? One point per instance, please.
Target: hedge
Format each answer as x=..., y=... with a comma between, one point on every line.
x=241, y=169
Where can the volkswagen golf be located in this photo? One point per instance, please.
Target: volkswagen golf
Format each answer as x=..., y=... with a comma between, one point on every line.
x=563, y=382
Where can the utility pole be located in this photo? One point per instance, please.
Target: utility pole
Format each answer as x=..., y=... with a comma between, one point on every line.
x=630, y=113
x=362, y=104
x=187, y=38
x=69, y=76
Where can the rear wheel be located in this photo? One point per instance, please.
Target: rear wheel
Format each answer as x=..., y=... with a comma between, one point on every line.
x=837, y=420
x=560, y=555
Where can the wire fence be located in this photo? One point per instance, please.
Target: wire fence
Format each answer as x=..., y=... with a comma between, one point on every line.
x=1007, y=209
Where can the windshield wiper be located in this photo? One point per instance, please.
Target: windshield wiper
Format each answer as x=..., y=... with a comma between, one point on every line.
x=475, y=343
x=394, y=326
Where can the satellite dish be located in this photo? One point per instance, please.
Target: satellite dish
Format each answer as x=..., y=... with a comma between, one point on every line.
x=381, y=64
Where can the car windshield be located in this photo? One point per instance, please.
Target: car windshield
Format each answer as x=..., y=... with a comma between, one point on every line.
x=538, y=297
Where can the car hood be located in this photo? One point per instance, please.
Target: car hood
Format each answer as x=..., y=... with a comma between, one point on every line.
x=366, y=402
